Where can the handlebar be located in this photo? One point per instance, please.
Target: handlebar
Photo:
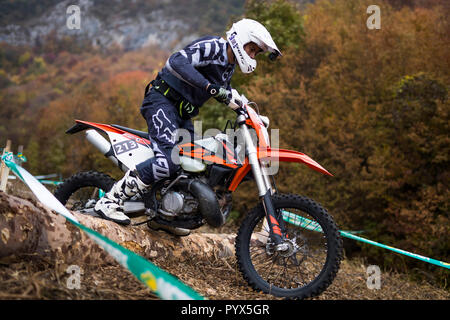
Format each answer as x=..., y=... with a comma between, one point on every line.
x=234, y=100
x=240, y=111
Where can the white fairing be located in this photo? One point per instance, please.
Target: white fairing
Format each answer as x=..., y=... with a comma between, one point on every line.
x=129, y=152
x=210, y=144
x=196, y=165
x=192, y=165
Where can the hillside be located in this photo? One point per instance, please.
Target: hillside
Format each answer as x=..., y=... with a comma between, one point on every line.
x=371, y=106
x=33, y=276
x=128, y=24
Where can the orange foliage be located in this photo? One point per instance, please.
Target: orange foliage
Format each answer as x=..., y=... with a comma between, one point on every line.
x=371, y=106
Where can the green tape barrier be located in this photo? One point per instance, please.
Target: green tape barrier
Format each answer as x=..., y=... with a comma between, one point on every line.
x=55, y=183
x=18, y=158
x=314, y=226
x=43, y=181
x=163, y=284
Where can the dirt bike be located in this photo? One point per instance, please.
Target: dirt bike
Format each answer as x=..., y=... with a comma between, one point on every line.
x=287, y=246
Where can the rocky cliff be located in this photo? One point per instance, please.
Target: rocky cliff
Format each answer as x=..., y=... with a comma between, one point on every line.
x=129, y=24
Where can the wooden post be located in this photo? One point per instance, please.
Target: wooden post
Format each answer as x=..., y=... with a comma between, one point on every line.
x=4, y=170
x=19, y=152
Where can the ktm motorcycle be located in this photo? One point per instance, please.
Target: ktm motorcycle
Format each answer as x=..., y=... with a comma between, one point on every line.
x=287, y=246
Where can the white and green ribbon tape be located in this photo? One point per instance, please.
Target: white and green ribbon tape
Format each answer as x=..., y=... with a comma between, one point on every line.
x=18, y=158
x=163, y=284
x=314, y=226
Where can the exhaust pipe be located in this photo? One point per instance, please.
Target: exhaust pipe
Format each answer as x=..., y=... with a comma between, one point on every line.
x=104, y=147
x=207, y=201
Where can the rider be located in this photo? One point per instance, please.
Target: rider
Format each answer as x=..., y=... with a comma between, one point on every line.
x=201, y=70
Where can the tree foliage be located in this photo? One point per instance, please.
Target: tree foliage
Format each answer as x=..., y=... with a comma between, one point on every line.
x=371, y=106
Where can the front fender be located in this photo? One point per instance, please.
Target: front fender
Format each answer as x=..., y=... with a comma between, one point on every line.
x=290, y=156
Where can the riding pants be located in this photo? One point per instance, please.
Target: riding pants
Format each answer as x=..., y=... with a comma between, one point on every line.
x=163, y=123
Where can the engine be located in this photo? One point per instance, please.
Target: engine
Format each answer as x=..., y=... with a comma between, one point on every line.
x=192, y=199
x=175, y=203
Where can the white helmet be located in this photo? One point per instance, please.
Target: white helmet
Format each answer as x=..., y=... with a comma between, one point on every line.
x=245, y=31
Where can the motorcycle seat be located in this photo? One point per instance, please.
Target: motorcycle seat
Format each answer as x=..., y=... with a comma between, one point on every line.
x=138, y=133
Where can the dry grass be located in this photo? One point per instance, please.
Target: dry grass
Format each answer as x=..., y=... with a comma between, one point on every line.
x=34, y=277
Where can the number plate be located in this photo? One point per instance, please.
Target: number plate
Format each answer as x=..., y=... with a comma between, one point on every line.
x=124, y=146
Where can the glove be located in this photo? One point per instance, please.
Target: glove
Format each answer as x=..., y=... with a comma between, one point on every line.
x=219, y=93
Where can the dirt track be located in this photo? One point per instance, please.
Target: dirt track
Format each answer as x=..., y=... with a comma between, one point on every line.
x=33, y=276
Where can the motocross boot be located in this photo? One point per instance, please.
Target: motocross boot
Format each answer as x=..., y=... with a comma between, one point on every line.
x=110, y=206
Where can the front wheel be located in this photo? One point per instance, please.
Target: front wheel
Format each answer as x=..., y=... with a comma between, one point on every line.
x=313, y=255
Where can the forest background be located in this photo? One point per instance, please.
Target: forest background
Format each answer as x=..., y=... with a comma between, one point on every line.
x=371, y=106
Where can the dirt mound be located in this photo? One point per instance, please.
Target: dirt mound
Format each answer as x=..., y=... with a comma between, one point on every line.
x=202, y=260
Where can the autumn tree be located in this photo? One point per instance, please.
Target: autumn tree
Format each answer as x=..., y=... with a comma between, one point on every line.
x=372, y=107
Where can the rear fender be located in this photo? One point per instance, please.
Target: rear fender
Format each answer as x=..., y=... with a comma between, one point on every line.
x=84, y=125
x=128, y=148
x=107, y=129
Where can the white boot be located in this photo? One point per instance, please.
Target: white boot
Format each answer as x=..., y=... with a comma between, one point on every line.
x=110, y=207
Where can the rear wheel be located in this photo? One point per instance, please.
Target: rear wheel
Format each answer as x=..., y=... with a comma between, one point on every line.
x=81, y=191
x=312, y=258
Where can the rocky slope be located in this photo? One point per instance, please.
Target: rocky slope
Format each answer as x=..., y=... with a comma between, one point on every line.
x=129, y=24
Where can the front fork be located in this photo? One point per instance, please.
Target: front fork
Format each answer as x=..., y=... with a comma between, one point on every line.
x=264, y=187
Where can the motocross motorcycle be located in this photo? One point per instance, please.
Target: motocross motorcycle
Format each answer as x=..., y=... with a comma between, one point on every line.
x=287, y=246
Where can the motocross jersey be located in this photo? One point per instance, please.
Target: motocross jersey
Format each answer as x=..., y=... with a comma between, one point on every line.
x=203, y=61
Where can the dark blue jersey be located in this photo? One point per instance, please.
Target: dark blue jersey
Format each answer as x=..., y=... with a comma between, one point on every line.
x=203, y=61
